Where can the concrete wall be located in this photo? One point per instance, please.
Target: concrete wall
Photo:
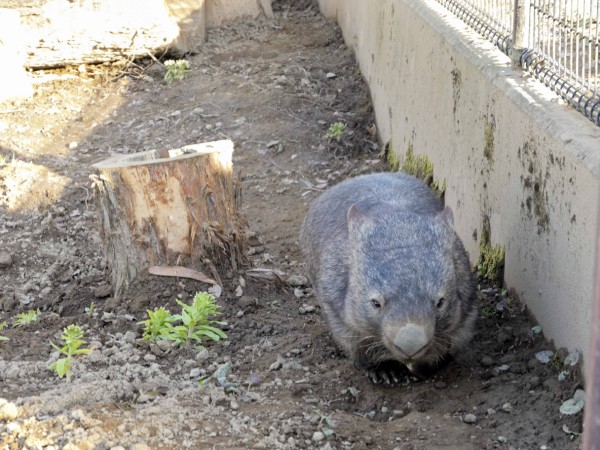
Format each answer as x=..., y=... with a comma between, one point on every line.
x=439, y=87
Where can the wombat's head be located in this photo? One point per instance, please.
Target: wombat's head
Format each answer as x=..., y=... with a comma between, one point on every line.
x=410, y=287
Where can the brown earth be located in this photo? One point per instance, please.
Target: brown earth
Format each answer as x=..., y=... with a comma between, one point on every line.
x=274, y=88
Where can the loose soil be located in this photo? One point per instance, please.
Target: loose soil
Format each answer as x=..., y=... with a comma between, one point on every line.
x=274, y=88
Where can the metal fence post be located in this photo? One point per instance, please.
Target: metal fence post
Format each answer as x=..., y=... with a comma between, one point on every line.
x=520, y=31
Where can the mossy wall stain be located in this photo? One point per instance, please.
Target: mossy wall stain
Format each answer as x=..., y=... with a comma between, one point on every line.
x=456, y=87
x=488, y=138
x=535, y=206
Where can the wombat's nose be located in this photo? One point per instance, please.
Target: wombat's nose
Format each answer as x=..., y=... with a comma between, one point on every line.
x=411, y=338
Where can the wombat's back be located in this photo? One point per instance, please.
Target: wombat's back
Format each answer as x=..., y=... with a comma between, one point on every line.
x=324, y=233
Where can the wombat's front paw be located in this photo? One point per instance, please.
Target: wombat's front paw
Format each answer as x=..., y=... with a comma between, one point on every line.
x=425, y=370
x=388, y=373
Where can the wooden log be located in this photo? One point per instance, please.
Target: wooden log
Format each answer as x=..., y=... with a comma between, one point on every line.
x=176, y=207
x=65, y=33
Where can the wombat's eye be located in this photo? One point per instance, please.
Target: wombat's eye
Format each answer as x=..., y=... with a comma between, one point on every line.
x=375, y=303
x=440, y=303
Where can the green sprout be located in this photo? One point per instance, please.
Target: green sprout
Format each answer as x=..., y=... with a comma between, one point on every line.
x=336, y=130
x=90, y=309
x=27, y=318
x=195, y=323
x=72, y=337
x=3, y=338
x=176, y=70
x=157, y=327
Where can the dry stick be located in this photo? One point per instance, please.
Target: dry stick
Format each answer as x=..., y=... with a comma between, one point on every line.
x=180, y=272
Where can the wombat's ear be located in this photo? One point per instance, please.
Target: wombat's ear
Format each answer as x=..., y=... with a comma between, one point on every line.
x=355, y=217
x=446, y=216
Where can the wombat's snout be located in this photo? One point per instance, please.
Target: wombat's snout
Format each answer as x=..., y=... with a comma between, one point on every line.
x=411, y=338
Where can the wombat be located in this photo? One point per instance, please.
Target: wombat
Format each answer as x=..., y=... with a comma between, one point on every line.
x=392, y=277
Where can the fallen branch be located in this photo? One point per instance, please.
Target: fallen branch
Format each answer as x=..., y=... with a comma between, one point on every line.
x=180, y=272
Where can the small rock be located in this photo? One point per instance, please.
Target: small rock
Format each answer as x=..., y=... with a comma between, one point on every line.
x=318, y=436
x=277, y=364
x=13, y=372
x=297, y=280
x=305, y=309
x=139, y=446
x=234, y=405
x=574, y=405
x=572, y=358
x=8, y=410
x=470, y=418
x=5, y=259
x=195, y=372
x=502, y=439
x=245, y=301
x=544, y=356
x=149, y=357
x=330, y=75
x=73, y=145
x=130, y=337
x=202, y=355
x=486, y=361
x=562, y=376
x=103, y=291
x=22, y=298
x=507, y=407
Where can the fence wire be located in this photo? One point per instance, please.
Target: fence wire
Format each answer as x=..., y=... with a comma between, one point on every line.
x=557, y=41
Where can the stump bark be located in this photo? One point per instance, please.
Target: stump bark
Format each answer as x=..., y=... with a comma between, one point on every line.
x=174, y=207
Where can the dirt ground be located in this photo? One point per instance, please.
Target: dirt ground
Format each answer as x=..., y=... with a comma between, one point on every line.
x=274, y=88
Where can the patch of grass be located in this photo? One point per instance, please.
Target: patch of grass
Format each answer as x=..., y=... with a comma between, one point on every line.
x=72, y=338
x=176, y=70
x=27, y=318
x=336, y=131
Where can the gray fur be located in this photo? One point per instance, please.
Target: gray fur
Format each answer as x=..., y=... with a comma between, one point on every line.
x=386, y=239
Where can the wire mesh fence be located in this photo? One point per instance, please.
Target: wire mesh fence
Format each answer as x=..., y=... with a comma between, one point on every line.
x=557, y=41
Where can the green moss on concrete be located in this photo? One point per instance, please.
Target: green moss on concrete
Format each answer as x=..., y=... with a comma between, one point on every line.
x=490, y=263
x=418, y=166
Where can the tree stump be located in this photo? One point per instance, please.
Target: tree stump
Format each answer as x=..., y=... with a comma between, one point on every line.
x=174, y=207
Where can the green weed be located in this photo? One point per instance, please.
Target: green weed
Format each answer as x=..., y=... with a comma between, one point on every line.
x=176, y=70
x=72, y=337
x=27, y=318
x=336, y=131
x=3, y=338
x=157, y=326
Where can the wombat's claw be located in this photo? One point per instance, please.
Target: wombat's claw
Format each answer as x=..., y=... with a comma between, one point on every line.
x=385, y=375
